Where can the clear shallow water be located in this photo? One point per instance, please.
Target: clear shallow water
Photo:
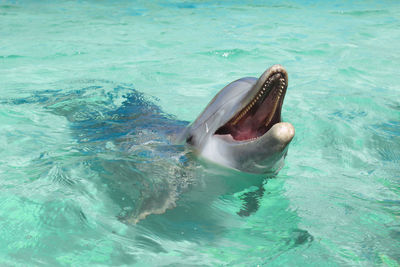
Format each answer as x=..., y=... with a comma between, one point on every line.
x=68, y=73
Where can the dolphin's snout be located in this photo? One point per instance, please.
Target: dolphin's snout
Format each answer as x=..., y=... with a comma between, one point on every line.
x=283, y=132
x=277, y=68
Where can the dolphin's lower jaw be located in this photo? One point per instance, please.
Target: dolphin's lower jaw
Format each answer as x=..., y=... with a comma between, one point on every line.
x=264, y=154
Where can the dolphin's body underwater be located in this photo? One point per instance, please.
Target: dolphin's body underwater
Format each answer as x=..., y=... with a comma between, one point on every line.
x=241, y=127
x=128, y=149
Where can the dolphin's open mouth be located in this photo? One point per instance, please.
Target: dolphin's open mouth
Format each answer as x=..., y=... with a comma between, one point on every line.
x=262, y=110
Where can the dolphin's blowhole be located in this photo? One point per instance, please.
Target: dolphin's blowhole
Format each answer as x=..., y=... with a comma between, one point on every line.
x=261, y=112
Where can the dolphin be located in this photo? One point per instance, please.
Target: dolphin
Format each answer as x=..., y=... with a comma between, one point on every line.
x=125, y=145
x=241, y=128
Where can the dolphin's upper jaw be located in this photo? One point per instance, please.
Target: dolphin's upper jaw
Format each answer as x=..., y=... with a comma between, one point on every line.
x=261, y=107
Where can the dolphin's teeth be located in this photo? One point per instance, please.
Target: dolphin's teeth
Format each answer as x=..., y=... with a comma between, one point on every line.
x=272, y=113
x=275, y=94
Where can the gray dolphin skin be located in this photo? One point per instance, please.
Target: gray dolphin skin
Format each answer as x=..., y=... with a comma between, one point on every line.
x=241, y=127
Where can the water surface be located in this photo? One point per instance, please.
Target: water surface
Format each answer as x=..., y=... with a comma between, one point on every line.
x=70, y=176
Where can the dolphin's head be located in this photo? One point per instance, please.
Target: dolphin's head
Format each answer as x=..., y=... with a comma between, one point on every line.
x=241, y=127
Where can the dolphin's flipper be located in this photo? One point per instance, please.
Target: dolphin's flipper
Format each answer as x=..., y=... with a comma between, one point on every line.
x=251, y=201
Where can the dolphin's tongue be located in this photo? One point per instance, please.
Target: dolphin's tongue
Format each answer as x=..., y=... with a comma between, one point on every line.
x=244, y=134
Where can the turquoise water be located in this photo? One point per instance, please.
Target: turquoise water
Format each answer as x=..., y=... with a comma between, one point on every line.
x=72, y=172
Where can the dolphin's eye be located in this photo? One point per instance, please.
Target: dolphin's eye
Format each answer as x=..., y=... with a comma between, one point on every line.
x=190, y=140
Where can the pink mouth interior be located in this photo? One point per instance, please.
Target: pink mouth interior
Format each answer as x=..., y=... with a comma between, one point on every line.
x=254, y=123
